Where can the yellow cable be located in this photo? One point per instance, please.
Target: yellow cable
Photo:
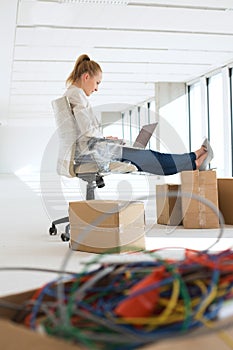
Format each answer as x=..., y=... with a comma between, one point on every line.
x=194, y=302
x=176, y=306
x=162, y=318
x=201, y=285
x=210, y=297
x=172, y=302
x=151, y=321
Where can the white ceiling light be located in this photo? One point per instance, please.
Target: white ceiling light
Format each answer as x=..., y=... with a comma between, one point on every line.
x=110, y=2
x=99, y=2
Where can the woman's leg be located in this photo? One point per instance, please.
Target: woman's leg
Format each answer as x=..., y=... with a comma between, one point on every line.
x=159, y=163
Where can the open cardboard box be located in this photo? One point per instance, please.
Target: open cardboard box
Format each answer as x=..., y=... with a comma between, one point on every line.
x=168, y=209
x=14, y=335
x=225, y=198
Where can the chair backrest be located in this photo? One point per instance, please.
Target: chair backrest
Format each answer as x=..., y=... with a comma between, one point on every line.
x=67, y=134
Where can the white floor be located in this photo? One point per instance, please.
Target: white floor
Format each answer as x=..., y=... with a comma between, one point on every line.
x=29, y=202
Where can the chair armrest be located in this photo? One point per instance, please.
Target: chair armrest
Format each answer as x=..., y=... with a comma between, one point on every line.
x=93, y=141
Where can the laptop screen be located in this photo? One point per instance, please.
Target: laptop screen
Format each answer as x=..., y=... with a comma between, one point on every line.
x=144, y=135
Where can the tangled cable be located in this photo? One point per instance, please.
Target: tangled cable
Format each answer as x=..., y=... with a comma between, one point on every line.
x=124, y=306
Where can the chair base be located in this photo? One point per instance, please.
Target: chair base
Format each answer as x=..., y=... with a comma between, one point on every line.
x=93, y=180
x=53, y=229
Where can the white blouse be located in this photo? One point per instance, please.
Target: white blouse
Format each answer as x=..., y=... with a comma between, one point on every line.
x=87, y=123
x=88, y=126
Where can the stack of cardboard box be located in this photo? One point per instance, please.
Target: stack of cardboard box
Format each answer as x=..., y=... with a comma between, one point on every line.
x=194, y=212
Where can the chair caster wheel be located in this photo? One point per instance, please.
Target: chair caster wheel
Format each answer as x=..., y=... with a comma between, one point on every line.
x=64, y=237
x=53, y=230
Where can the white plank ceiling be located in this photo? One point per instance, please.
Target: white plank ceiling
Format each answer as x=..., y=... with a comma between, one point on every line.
x=137, y=43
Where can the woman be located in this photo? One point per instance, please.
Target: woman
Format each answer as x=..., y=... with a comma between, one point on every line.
x=82, y=82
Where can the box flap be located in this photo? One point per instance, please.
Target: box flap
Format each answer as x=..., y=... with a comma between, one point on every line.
x=14, y=336
x=98, y=213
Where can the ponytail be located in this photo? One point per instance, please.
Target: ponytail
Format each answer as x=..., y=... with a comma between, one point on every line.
x=83, y=65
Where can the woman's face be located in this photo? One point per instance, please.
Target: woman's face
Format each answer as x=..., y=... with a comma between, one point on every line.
x=90, y=84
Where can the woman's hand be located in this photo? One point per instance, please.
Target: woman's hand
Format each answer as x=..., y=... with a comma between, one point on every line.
x=121, y=141
x=111, y=137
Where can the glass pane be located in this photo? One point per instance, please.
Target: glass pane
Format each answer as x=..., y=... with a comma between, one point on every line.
x=143, y=115
x=127, y=127
x=153, y=118
x=134, y=124
x=195, y=116
x=231, y=108
x=216, y=122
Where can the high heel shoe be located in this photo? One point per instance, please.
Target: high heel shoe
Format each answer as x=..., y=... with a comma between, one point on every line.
x=210, y=155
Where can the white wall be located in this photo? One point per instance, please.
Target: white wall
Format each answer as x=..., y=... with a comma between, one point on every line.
x=24, y=147
x=8, y=15
x=22, y=142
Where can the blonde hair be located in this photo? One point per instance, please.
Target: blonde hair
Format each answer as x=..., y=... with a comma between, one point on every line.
x=83, y=65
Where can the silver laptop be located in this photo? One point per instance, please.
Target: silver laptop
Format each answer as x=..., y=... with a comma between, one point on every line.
x=144, y=135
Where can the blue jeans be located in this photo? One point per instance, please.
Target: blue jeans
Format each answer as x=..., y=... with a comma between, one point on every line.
x=159, y=163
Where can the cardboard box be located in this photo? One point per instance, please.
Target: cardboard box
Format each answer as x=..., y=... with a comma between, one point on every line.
x=99, y=226
x=168, y=208
x=15, y=335
x=225, y=199
x=195, y=213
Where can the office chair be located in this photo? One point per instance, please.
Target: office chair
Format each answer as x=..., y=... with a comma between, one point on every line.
x=66, y=164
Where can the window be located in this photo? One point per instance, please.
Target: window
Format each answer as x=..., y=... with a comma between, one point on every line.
x=231, y=111
x=216, y=121
x=195, y=116
x=133, y=120
x=127, y=126
x=143, y=115
x=134, y=124
x=153, y=118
